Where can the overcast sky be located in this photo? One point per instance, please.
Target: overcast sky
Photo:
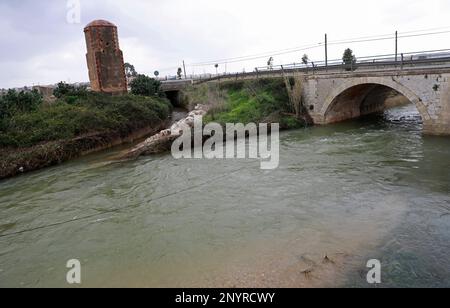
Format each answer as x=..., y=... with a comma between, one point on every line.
x=39, y=46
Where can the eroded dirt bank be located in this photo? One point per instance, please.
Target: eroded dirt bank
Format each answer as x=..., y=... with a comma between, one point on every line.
x=18, y=161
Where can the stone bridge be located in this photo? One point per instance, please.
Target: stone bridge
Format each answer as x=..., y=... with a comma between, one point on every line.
x=175, y=85
x=335, y=98
x=173, y=88
x=337, y=95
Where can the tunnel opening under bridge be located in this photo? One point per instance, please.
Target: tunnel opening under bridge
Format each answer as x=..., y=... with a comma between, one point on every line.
x=175, y=98
x=367, y=99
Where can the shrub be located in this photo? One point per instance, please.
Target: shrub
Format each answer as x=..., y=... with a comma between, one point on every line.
x=69, y=92
x=90, y=113
x=19, y=102
x=251, y=101
x=146, y=86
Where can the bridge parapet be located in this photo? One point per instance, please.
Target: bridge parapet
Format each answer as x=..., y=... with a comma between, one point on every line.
x=175, y=85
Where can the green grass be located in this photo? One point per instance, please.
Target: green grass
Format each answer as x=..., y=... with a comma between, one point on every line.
x=255, y=101
x=71, y=117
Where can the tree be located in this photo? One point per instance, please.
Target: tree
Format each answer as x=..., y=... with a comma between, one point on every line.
x=130, y=71
x=349, y=59
x=305, y=59
x=64, y=89
x=19, y=102
x=5, y=107
x=179, y=72
x=217, y=66
x=145, y=86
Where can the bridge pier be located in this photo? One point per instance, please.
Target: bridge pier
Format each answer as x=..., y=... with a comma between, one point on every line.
x=440, y=124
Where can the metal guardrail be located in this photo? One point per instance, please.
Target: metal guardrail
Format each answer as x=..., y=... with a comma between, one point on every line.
x=388, y=58
x=379, y=62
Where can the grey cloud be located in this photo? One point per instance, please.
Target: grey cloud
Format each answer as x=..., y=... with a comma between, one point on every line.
x=39, y=46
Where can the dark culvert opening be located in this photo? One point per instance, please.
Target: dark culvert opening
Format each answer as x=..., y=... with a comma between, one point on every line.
x=175, y=98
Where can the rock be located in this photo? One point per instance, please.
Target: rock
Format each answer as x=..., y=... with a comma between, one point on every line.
x=162, y=141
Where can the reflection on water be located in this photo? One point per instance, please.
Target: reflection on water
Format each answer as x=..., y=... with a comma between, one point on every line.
x=370, y=188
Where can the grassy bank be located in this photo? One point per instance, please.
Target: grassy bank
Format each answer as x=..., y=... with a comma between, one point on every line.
x=249, y=101
x=40, y=135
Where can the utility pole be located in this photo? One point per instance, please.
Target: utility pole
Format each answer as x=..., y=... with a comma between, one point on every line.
x=326, y=51
x=184, y=68
x=396, y=46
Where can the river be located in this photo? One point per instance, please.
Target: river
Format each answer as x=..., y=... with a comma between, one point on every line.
x=372, y=188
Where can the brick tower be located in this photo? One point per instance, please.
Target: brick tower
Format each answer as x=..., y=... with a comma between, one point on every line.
x=104, y=58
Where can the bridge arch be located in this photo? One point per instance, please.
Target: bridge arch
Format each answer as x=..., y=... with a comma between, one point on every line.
x=345, y=101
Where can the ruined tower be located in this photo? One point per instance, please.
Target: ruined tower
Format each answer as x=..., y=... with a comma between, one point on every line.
x=104, y=58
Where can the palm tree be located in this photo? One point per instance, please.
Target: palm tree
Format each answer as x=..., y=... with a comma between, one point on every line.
x=270, y=63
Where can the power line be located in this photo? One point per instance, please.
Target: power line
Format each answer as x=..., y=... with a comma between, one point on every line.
x=306, y=47
x=386, y=38
x=276, y=52
x=390, y=34
x=426, y=30
x=256, y=57
x=374, y=38
x=250, y=57
x=259, y=54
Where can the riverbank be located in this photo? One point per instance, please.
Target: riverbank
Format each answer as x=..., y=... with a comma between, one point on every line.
x=22, y=160
x=81, y=123
x=248, y=101
x=75, y=126
x=253, y=101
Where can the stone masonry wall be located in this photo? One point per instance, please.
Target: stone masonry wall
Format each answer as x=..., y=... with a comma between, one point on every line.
x=430, y=93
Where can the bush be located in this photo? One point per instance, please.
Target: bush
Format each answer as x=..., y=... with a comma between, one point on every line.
x=19, y=102
x=69, y=92
x=90, y=113
x=251, y=101
x=146, y=86
x=290, y=122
